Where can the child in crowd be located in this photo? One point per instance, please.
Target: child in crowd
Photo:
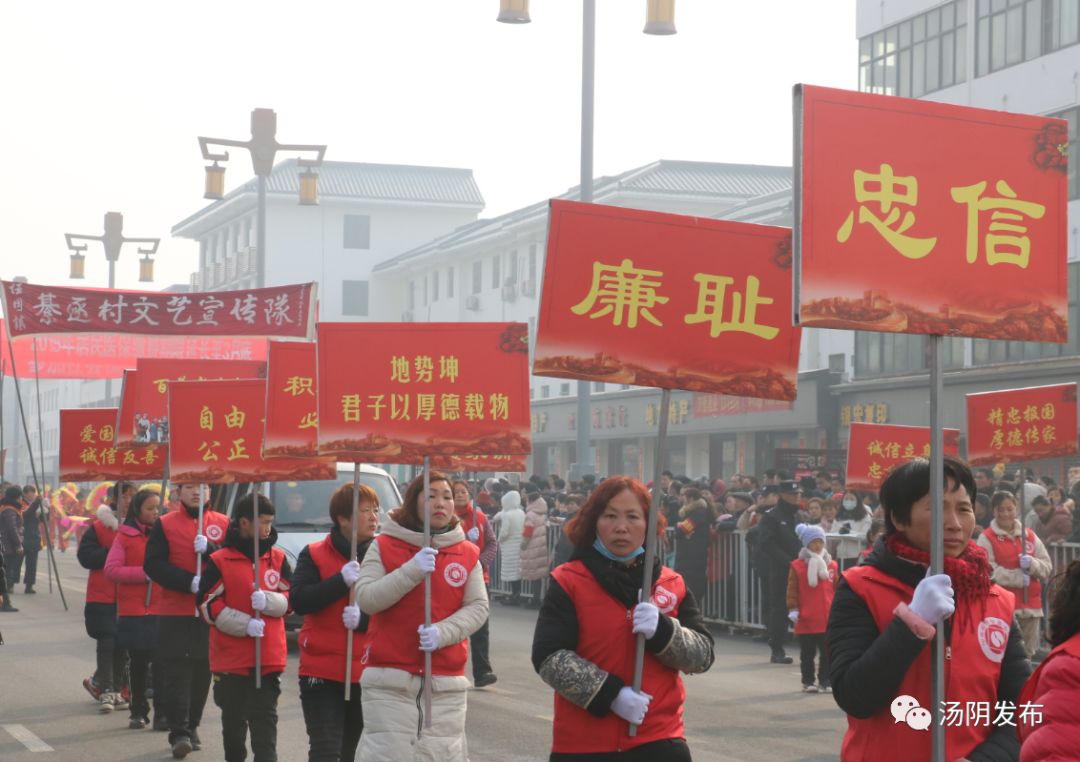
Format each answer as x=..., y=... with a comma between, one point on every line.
x=811, y=585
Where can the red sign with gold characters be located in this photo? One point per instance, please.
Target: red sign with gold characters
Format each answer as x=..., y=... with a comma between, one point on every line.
x=920, y=217
x=395, y=392
x=144, y=398
x=217, y=431
x=669, y=301
x=873, y=449
x=1022, y=424
x=291, y=409
x=88, y=452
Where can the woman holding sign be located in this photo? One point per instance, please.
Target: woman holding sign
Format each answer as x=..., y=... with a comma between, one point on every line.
x=320, y=593
x=883, y=618
x=391, y=592
x=585, y=637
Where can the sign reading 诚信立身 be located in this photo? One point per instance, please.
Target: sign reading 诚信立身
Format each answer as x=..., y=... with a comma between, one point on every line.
x=873, y=449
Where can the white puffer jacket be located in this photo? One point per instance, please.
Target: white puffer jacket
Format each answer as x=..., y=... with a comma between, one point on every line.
x=511, y=527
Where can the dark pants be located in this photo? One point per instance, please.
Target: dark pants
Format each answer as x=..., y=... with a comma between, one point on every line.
x=774, y=601
x=478, y=648
x=333, y=724
x=31, y=568
x=673, y=750
x=515, y=591
x=158, y=684
x=186, y=684
x=808, y=646
x=12, y=565
x=140, y=665
x=111, y=660
x=244, y=707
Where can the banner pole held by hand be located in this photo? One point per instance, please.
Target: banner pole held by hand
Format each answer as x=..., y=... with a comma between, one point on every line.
x=352, y=557
x=256, y=529
x=427, y=590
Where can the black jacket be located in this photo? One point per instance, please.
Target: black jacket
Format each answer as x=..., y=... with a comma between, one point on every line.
x=32, y=526
x=156, y=563
x=91, y=553
x=867, y=666
x=309, y=592
x=11, y=536
x=777, y=542
x=692, y=550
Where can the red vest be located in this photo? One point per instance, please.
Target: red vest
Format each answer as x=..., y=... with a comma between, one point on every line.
x=814, y=602
x=974, y=656
x=1045, y=726
x=180, y=530
x=1007, y=556
x=99, y=588
x=236, y=656
x=131, y=599
x=323, y=637
x=392, y=637
x=470, y=517
x=606, y=639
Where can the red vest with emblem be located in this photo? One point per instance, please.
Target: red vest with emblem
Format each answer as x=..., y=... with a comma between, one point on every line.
x=236, y=656
x=973, y=657
x=470, y=517
x=180, y=529
x=606, y=639
x=392, y=637
x=99, y=588
x=131, y=599
x=1007, y=556
x=814, y=602
x=323, y=638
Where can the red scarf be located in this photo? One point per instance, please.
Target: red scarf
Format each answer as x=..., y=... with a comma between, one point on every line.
x=969, y=572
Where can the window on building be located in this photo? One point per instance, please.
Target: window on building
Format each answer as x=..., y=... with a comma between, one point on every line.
x=917, y=56
x=545, y=392
x=1012, y=31
x=532, y=263
x=598, y=386
x=354, y=298
x=1072, y=116
x=513, y=266
x=496, y=271
x=357, y=231
x=450, y=283
x=435, y=286
x=477, y=276
x=888, y=354
x=412, y=295
x=564, y=390
x=427, y=293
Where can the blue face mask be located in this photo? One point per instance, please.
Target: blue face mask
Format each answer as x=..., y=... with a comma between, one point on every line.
x=602, y=550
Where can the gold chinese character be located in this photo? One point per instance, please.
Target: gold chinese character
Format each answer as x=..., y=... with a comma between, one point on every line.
x=350, y=408
x=499, y=405
x=309, y=421
x=882, y=412
x=845, y=415
x=423, y=366
x=297, y=385
x=710, y=307
x=150, y=455
x=1049, y=434
x=474, y=407
x=893, y=450
x=1031, y=436
x=684, y=410
x=399, y=407
x=238, y=451
x=87, y=435
x=89, y=455
x=207, y=449
x=376, y=403
x=857, y=412
x=425, y=406
x=891, y=189
x=1013, y=438
x=450, y=407
x=996, y=417
x=108, y=456
x=1031, y=413
x=874, y=472
x=161, y=384
x=909, y=450
x=1013, y=416
x=926, y=450
x=235, y=418
x=1002, y=235
x=399, y=369
x=1048, y=411
x=877, y=447
x=448, y=368
x=129, y=458
x=206, y=418
x=997, y=441
x=623, y=291
x=106, y=433
x=650, y=414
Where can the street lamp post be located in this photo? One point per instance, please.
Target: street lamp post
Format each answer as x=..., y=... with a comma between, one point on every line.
x=660, y=20
x=112, y=239
x=262, y=146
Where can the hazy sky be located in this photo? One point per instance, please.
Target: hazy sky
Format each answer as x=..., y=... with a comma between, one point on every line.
x=102, y=101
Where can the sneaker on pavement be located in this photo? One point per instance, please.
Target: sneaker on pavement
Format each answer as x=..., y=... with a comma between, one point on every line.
x=484, y=680
x=138, y=723
x=92, y=688
x=31, y=591
x=196, y=744
x=825, y=687
x=779, y=657
x=120, y=702
x=181, y=747
x=811, y=688
x=107, y=703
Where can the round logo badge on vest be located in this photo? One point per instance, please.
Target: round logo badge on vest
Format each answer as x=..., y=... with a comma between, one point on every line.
x=1029, y=547
x=271, y=578
x=993, y=637
x=214, y=533
x=664, y=599
x=455, y=575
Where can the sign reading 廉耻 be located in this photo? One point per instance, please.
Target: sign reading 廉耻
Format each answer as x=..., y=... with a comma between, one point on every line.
x=1022, y=424
x=873, y=449
x=893, y=236
x=216, y=436
x=675, y=302
x=415, y=390
x=88, y=449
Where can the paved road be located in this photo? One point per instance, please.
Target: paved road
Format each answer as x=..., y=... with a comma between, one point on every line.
x=743, y=710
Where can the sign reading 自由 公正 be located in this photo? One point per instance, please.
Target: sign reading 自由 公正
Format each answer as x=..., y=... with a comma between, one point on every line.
x=921, y=217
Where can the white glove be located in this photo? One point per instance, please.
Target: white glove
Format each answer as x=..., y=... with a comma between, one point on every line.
x=646, y=619
x=255, y=628
x=1025, y=561
x=425, y=560
x=350, y=617
x=429, y=637
x=350, y=572
x=258, y=600
x=473, y=534
x=933, y=600
x=200, y=543
x=793, y=615
x=631, y=706
x=195, y=583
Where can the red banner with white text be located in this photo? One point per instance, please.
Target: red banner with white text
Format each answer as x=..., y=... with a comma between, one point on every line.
x=1022, y=424
x=873, y=449
x=88, y=452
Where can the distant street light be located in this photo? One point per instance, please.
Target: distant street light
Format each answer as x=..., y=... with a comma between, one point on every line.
x=262, y=146
x=112, y=239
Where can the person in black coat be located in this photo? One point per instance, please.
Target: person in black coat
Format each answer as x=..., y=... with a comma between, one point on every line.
x=884, y=616
x=11, y=535
x=5, y=600
x=692, y=542
x=32, y=514
x=778, y=546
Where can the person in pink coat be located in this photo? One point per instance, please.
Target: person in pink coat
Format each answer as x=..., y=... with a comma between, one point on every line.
x=1050, y=728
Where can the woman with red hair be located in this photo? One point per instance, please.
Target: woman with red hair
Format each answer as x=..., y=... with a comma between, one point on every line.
x=586, y=633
